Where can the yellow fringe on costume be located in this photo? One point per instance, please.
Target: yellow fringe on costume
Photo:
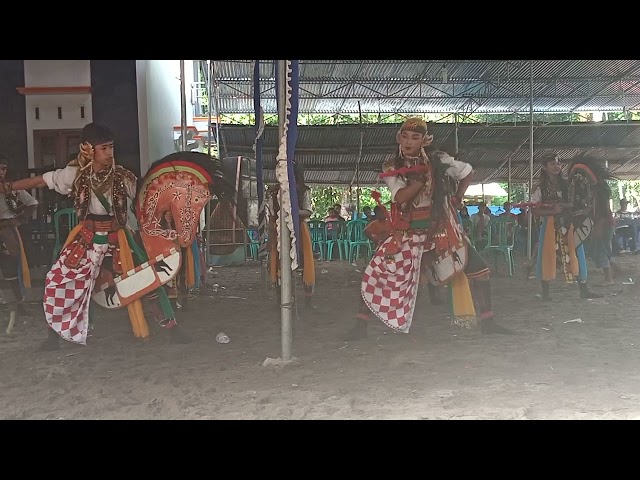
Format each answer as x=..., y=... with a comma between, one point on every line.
x=569, y=261
x=136, y=314
x=548, y=265
x=72, y=235
x=464, y=313
x=190, y=273
x=274, y=259
x=26, y=274
x=309, y=274
x=309, y=267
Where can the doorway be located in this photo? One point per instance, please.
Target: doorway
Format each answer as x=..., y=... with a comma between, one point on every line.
x=54, y=148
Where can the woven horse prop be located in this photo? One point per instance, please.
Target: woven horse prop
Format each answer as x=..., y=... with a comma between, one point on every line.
x=177, y=187
x=588, y=187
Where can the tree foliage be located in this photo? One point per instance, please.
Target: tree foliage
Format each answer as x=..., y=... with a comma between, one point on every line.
x=461, y=118
x=325, y=197
x=519, y=193
x=629, y=189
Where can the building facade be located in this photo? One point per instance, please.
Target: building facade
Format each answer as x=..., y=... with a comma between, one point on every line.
x=138, y=99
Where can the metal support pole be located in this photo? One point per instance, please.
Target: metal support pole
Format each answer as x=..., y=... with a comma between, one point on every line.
x=530, y=215
x=358, y=163
x=455, y=137
x=217, y=104
x=285, y=239
x=210, y=136
x=183, y=109
x=209, y=89
x=509, y=183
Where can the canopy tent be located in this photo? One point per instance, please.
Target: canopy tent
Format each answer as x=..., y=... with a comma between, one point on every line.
x=458, y=88
x=485, y=190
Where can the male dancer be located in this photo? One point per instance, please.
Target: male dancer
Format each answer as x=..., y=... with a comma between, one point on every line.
x=101, y=190
x=552, y=203
x=425, y=233
x=15, y=209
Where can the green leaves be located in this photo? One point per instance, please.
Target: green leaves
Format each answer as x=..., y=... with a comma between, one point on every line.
x=324, y=198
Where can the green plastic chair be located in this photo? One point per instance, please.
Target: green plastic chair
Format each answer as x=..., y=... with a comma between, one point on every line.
x=467, y=226
x=318, y=238
x=335, y=233
x=356, y=239
x=254, y=242
x=502, y=232
x=65, y=217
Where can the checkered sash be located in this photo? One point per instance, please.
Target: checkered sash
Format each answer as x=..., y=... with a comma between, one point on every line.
x=67, y=293
x=389, y=286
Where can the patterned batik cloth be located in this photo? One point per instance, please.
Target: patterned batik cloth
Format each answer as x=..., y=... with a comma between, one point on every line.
x=390, y=283
x=67, y=293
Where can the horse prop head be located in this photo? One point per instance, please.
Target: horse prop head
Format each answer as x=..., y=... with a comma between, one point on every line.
x=589, y=194
x=173, y=193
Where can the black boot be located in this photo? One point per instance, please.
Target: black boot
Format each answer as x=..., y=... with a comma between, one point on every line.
x=52, y=342
x=359, y=331
x=178, y=336
x=586, y=293
x=17, y=294
x=175, y=304
x=489, y=326
x=545, y=291
x=184, y=304
x=308, y=296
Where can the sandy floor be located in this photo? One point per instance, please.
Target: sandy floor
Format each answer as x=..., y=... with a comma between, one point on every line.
x=549, y=370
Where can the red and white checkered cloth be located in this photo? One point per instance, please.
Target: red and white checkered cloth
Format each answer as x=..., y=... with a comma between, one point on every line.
x=67, y=293
x=389, y=286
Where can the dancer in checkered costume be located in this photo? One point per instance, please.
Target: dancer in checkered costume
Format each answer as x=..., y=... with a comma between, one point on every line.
x=424, y=234
x=101, y=191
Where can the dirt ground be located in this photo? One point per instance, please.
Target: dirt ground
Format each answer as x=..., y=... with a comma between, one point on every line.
x=549, y=370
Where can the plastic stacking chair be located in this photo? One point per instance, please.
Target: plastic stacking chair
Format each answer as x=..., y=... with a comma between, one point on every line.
x=63, y=221
x=335, y=237
x=254, y=243
x=356, y=239
x=500, y=240
x=318, y=239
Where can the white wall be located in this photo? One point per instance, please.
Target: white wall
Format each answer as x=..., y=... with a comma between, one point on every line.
x=143, y=117
x=159, y=106
x=56, y=73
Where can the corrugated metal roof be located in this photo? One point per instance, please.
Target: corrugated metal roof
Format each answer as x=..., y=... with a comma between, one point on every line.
x=415, y=86
x=329, y=153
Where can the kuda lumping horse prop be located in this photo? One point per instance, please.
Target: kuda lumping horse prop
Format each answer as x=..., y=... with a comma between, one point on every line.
x=168, y=206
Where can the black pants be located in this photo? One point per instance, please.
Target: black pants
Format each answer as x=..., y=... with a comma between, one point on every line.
x=10, y=262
